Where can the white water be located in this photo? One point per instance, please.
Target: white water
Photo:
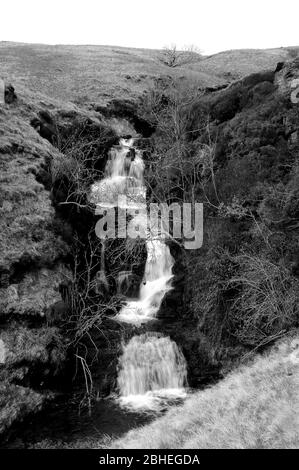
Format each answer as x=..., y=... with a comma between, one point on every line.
x=124, y=176
x=152, y=371
x=155, y=284
x=152, y=368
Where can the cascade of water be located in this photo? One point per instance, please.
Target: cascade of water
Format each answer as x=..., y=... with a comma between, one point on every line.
x=152, y=368
x=155, y=284
x=123, y=176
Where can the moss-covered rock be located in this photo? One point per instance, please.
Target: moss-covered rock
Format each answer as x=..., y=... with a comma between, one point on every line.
x=35, y=294
x=32, y=266
x=16, y=403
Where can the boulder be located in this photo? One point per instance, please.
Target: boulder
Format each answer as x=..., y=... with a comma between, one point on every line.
x=128, y=283
x=287, y=78
x=45, y=125
x=7, y=93
x=10, y=95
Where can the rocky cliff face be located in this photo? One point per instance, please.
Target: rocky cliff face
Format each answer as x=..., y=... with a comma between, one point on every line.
x=251, y=233
x=32, y=265
x=248, y=183
x=33, y=258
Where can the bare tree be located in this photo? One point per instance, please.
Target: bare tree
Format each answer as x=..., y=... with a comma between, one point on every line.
x=174, y=169
x=172, y=57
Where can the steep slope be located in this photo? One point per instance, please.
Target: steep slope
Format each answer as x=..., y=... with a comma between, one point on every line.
x=34, y=256
x=32, y=265
x=236, y=151
x=250, y=249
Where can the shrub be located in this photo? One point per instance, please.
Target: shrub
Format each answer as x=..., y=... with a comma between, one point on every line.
x=267, y=302
x=83, y=146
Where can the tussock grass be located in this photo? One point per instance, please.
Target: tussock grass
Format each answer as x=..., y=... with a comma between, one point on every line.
x=256, y=406
x=267, y=303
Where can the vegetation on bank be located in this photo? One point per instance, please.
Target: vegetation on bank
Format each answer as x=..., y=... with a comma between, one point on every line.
x=235, y=150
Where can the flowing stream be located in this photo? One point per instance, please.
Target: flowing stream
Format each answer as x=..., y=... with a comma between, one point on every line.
x=152, y=369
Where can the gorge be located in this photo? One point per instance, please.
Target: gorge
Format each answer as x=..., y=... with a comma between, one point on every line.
x=102, y=335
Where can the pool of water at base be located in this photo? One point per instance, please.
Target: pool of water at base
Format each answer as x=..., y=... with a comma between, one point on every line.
x=62, y=423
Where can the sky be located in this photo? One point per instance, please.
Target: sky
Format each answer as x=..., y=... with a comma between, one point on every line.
x=211, y=25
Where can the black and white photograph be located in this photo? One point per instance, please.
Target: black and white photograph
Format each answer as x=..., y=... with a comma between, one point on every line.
x=149, y=231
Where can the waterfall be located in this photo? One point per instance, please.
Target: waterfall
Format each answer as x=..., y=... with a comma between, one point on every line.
x=155, y=284
x=124, y=176
x=152, y=369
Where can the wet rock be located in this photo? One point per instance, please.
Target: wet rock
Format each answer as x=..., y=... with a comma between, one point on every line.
x=128, y=110
x=128, y=283
x=131, y=154
x=173, y=305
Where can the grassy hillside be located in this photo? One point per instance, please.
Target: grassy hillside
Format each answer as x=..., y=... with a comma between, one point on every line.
x=257, y=406
x=239, y=63
x=98, y=73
